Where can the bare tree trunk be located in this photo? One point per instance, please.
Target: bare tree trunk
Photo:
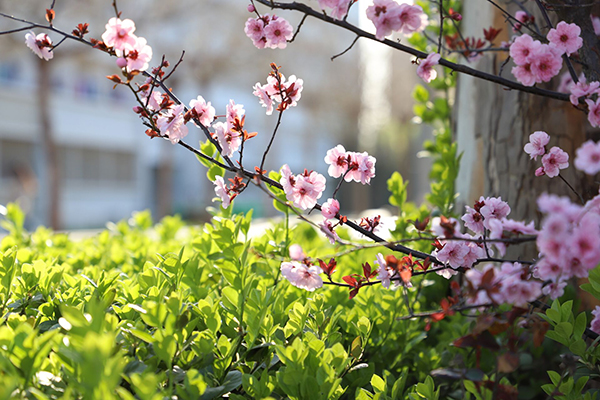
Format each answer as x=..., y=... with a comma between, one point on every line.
x=50, y=150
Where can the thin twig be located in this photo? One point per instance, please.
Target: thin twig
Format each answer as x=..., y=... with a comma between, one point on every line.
x=572, y=188
x=347, y=49
x=298, y=29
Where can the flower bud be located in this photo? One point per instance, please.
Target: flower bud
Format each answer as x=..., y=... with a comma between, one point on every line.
x=121, y=62
x=251, y=8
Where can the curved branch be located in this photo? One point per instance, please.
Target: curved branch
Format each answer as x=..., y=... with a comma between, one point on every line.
x=303, y=8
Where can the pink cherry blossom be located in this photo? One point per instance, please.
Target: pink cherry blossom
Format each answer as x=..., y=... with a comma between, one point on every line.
x=255, y=30
x=493, y=209
x=547, y=269
x=537, y=144
x=228, y=140
x=412, y=19
x=385, y=15
x=234, y=112
x=296, y=253
x=263, y=97
x=513, y=226
x=539, y=171
x=172, y=124
x=554, y=289
x=287, y=181
x=328, y=229
x=453, y=253
x=204, y=110
x=221, y=191
x=119, y=34
x=546, y=63
x=473, y=220
x=384, y=273
x=524, y=74
x=595, y=324
x=337, y=158
x=565, y=82
x=361, y=167
x=425, y=69
x=137, y=55
x=41, y=45
x=587, y=158
x=302, y=276
x=554, y=161
x=523, y=48
x=565, y=37
x=582, y=89
x=339, y=8
x=278, y=32
x=553, y=204
x=596, y=24
x=330, y=208
x=594, y=112
x=307, y=190
x=439, y=231
x=155, y=99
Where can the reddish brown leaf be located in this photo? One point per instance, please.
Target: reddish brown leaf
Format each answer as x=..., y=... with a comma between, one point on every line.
x=50, y=14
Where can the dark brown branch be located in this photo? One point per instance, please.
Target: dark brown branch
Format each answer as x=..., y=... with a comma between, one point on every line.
x=419, y=54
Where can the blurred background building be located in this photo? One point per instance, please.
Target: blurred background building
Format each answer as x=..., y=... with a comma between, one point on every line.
x=106, y=167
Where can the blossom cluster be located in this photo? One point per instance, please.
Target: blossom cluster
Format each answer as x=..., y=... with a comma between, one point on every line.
x=352, y=166
x=303, y=190
x=302, y=275
x=538, y=62
x=133, y=52
x=228, y=193
x=279, y=90
x=552, y=161
x=389, y=16
x=269, y=31
x=425, y=69
x=510, y=283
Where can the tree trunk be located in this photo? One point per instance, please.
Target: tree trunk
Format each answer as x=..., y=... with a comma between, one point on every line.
x=50, y=150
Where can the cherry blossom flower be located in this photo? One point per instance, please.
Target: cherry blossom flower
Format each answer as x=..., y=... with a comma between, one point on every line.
x=337, y=158
x=172, y=124
x=565, y=37
x=255, y=30
x=119, y=34
x=547, y=269
x=385, y=15
x=234, y=113
x=330, y=208
x=595, y=324
x=296, y=253
x=328, y=229
x=473, y=220
x=41, y=45
x=596, y=24
x=155, y=99
x=204, y=110
x=137, y=55
x=339, y=8
x=228, y=140
x=587, y=158
x=594, y=112
x=513, y=226
x=308, y=189
x=546, y=63
x=453, y=253
x=493, y=209
x=537, y=144
x=582, y=89
x=361, y=167
x=302, y=276
x=278, y=32
x=565, y=83
x=263, y=97
x=555, y=160
x=425, y=69
x=524, y=74
x=523, y=48
x=287, y=181
x=412, y=19
x=221, y=191
x=383, y=272
x=440, y=231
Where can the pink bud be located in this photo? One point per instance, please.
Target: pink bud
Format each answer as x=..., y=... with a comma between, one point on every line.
x=251, y=8
x=457, y=17
x=296, y=253
x=137, y=109
x=540, y=171
x=121, y=62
